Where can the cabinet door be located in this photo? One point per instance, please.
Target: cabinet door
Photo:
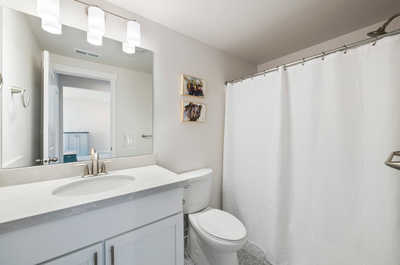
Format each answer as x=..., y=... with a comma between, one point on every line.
x=88, y=256
x=160, y=243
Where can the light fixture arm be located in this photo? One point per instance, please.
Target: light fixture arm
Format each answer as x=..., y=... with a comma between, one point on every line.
x=106, y=11
x=382, y=29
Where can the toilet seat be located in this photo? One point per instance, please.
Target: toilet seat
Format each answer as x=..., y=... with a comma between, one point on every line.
x=213, y=242
x=221, y=224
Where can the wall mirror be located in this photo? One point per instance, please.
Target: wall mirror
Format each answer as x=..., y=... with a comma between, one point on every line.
x=61, y=96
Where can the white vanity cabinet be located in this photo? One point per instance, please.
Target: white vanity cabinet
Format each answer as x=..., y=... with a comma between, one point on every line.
x=134, y=230
x=157, y=244
x=93, y=255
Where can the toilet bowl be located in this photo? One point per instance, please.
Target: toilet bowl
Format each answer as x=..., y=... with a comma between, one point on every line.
x=214, y=235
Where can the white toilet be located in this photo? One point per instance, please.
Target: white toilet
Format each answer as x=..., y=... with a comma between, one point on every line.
x=214, y=235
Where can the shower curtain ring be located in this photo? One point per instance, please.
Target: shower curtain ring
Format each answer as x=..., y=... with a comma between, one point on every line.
x=303, y=61
x=345, y=49
x=376, y=40
x=323, y=56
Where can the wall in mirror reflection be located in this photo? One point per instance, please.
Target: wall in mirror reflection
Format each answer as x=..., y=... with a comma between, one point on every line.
x=81, y=96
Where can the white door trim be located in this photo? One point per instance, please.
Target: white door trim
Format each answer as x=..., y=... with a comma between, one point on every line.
x=105, y=76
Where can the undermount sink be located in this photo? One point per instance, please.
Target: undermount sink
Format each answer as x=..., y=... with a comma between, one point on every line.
x=92, y=185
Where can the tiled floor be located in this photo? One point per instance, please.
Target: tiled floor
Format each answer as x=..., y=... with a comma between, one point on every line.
x=188, y=261
x=248, y=255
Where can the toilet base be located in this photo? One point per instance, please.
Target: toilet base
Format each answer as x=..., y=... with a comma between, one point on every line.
x=202, y=254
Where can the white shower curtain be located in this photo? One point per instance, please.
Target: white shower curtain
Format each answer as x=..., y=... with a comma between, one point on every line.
x=304, y=159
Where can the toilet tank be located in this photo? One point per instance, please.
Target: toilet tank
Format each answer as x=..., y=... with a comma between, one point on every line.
x=197, y=191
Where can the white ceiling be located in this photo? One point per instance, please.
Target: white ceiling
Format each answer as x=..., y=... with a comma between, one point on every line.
x=261, y=30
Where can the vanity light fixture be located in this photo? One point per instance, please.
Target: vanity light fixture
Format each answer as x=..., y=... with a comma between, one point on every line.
x=96, y=25
x=133, y=37
x=49, y=12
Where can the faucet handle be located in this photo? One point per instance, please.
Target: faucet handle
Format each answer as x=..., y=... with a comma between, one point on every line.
x=86, y=170
x=103, y=168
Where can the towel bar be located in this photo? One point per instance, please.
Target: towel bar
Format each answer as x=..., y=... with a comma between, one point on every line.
x=394, y=164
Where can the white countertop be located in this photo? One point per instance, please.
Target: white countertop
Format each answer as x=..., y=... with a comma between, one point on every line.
x=25, y=201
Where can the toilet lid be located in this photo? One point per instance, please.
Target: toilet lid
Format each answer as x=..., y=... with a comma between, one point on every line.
x=221, y=224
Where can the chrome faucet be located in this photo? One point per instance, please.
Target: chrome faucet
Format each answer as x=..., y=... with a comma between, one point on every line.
x=94, y=162
x=96, y=167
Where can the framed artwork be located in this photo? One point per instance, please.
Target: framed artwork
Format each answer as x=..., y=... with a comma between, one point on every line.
x=193, y=112
x=192, y=86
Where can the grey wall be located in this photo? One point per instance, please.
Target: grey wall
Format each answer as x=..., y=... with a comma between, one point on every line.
x=179, y=147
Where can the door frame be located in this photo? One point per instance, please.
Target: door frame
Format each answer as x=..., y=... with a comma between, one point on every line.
x=98, y=75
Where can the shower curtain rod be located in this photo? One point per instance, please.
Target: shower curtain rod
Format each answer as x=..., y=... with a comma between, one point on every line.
x=322, y=55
